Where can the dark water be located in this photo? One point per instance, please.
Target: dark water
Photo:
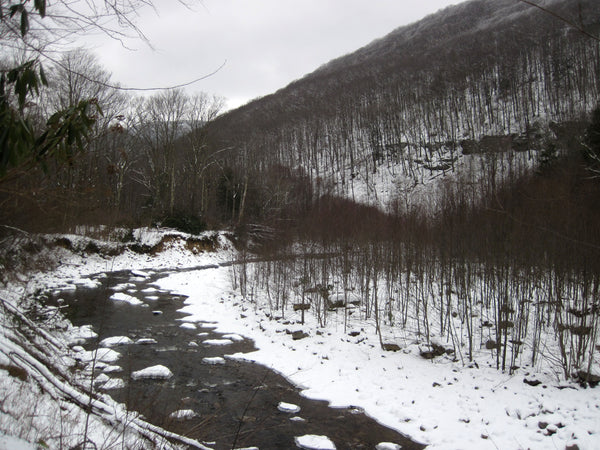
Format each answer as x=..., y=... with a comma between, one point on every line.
x=235, y=403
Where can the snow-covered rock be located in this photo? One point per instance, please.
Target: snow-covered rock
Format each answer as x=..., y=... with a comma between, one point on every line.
x=123, y=287
x=87, y=283
x=183, y=414
x=217, y=342
x=314, y=442
x=158, y=372
x=112, y=369
x=113, y=383
x=233, y=337
x=140, y=274
x=387, y=446
x=122, y=297
x=105, y=355
x=288, y=407
x=114, y=341
x=146, y=341
x=213, y=360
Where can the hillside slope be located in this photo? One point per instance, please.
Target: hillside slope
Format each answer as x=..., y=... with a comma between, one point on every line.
x=426, y=102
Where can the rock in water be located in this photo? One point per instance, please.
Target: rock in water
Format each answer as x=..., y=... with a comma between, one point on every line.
x=314, y=442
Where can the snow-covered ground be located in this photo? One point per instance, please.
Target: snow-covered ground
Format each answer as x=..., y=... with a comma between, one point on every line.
x=439, y=402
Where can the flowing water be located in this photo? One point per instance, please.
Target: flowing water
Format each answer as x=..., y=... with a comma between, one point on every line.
x=235, y=403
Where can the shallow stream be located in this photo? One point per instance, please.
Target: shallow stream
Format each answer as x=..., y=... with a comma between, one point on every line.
x=235, y=403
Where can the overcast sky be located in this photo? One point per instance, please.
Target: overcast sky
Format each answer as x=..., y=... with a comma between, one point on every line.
x=265, y=44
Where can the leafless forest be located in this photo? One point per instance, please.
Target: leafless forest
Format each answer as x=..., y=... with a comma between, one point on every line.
x=485, y=108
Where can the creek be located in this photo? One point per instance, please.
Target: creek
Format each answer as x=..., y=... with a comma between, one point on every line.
x=235, y=403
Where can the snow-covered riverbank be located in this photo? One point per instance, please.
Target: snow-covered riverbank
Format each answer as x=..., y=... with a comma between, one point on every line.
x=439, y=402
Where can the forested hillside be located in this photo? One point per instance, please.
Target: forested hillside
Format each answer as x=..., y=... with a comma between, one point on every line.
x=477, y=78
x=472, y=95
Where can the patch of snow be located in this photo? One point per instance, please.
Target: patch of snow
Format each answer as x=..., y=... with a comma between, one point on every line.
x=217, y=342
x=149, y=290
x=113, y=383
x=14, y=443
x=121, y=297
x=68, y=287
x=288, y=407
x=140, y=274
x=314, y=442
x=146, y=341
x=112, y=369
x=233, y=337
x=79, y=335
x=122, y=287
x=188, y=325
x=213, y=360
x=114, y=341
x=158, y=372
x=297, y=419
x=105, y=355
x=101, y=379
x=87, y=283
x=183, y=414
x=387, y=446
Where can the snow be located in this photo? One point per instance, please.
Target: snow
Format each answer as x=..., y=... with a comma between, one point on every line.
x=105, y=355
x=87, y=283
x=121, y=297
x=13, y=443
x=158, y=372
x=149, y=290
x=122, y=287
x=440, y=402
x=83, y=333
x=112, y=369
x=233, y=337
x=387, y=446
x=183, y=414
x=297, y=419
x=140, y=274
x=213, y=360
x=217, y=342
x=113, y=383
x=314, y=442
x=288, y=407
x=146, y=341
x=188, y=325
x=114, y=341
